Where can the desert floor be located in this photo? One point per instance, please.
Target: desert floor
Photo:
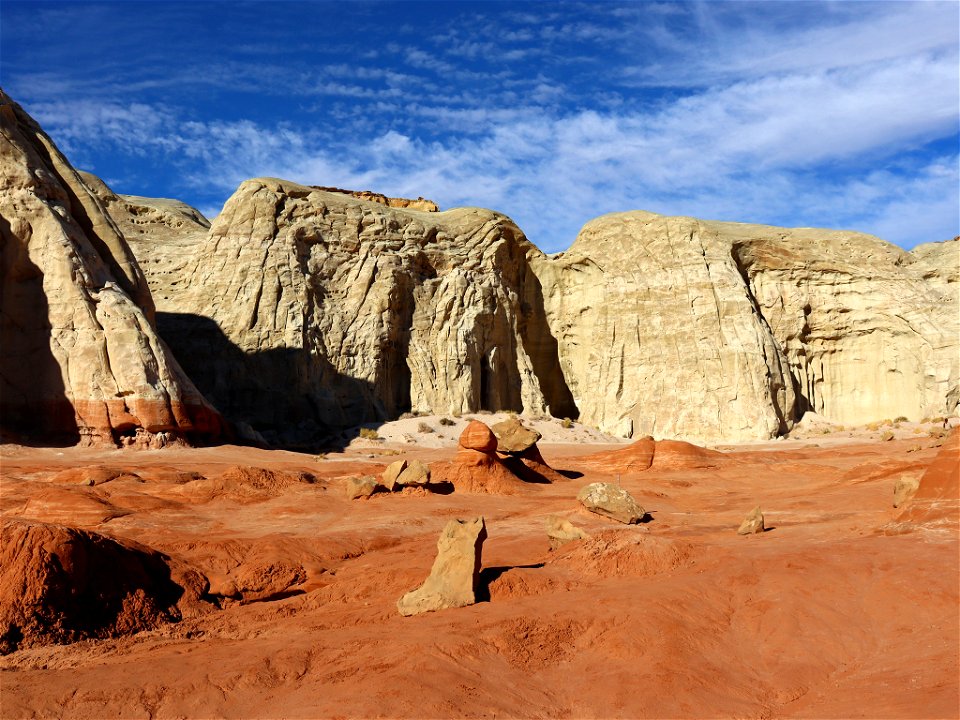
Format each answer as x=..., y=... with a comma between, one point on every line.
x=844, y=607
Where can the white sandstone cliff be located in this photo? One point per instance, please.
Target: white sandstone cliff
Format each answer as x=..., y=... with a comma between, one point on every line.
x=81, y=360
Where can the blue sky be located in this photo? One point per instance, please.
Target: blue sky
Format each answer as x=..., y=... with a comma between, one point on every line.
x=839, y=114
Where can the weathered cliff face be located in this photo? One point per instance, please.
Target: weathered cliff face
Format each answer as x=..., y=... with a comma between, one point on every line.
x=658, y=333
x=305, y=311
x=866, y=336
x=80, y=358
x=162, y=234
x=706, y=330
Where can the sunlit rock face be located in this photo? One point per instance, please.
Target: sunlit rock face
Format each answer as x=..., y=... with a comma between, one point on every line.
x=81, y=360
x=679, y=327
x=867, y=336
x=304, y=310
x=659, y=334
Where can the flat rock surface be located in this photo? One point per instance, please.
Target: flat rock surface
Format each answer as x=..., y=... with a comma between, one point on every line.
x=706, y=623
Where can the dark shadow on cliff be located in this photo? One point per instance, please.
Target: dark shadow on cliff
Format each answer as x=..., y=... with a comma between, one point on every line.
x=742, y=255
x=544, y=351
x=34, y=408
x=284, y=398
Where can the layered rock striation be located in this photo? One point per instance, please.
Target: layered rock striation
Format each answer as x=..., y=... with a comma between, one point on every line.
x=81, y=360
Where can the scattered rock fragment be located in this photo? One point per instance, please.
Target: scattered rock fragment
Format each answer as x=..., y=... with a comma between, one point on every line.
x=562, y=531
x=517, y=449
x=360, y=487
x=478, y=437
x=611, y=501
x=904, y=489
x=513, y=436
x=392, y=472
x=415, y=474
x=456, y=571
x=752, y=523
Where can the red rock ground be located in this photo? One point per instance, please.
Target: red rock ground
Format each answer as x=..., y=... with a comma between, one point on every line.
x=845, y=607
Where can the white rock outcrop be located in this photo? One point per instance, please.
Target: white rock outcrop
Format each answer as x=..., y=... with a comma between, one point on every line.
x=455, y=575
x=866, y=334
x=678, y=327
x=305, y=310
x=658, y=333
x=81, y=359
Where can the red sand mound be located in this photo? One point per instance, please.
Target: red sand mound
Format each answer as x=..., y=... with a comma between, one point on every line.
x=679, y=454
x=622, y=553
x=61, y=584
x=93, y=475
x=938, y=497
x=634, y=457
x=77, y=506
x=476, y=472
x=246, y=484
x=659, y=454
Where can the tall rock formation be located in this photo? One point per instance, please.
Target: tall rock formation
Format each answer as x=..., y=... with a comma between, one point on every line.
x=659, y=335
x=705, y=330
x=867, y=337
x=81, y=360
x=305, y=310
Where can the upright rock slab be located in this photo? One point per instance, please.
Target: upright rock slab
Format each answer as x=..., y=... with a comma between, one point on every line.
x=455, y=574
x=81, y=360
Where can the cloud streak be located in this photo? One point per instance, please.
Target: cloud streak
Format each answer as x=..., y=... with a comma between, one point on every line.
x=846, y=117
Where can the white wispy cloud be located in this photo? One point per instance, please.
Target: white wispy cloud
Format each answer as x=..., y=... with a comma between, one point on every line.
x=771, y=120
